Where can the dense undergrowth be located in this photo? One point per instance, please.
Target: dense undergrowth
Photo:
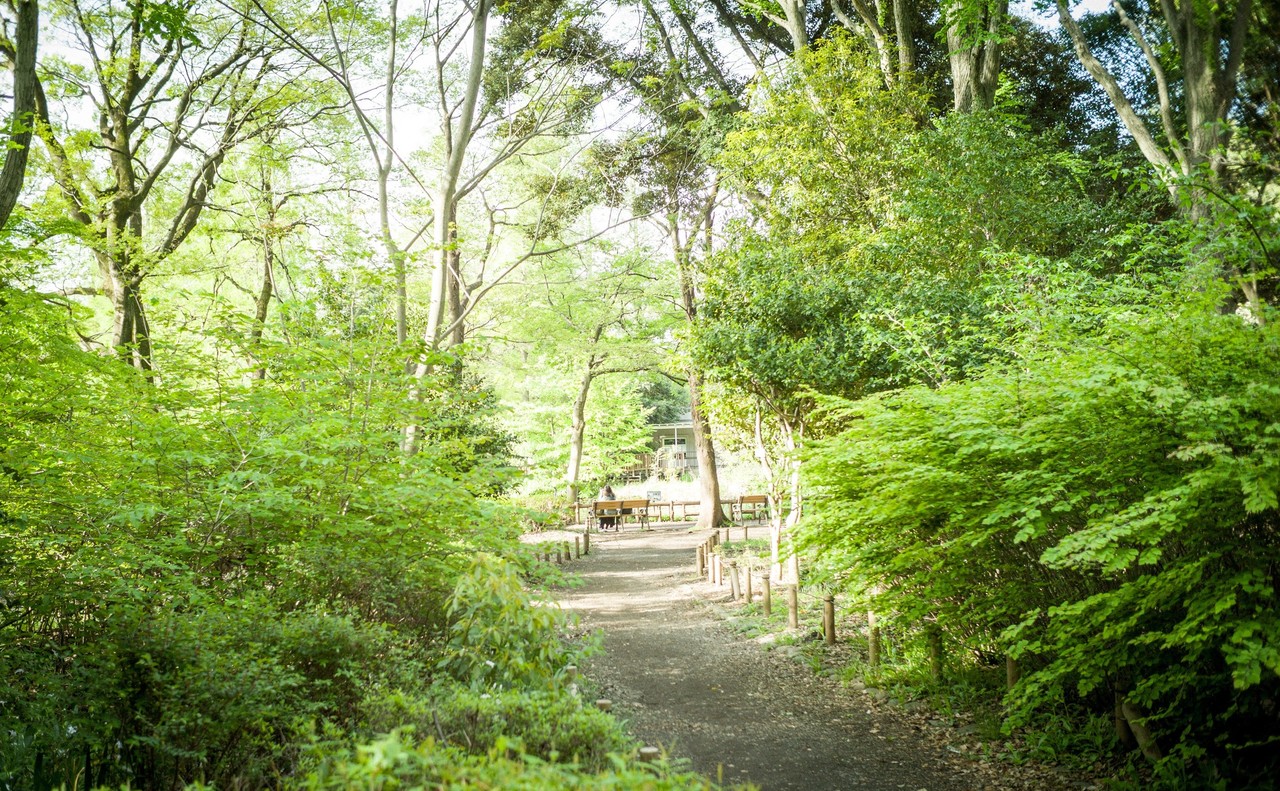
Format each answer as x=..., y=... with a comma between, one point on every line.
x=244, y=582
x=1102, y=511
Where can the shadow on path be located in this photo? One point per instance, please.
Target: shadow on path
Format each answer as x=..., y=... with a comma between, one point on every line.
x=689, y=686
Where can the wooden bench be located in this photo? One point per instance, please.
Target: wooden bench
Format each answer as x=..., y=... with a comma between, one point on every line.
x=636, y=509
x=753, y=506
x=604, y=514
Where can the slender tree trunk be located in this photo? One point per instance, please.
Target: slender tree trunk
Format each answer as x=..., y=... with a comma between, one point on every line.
x=905, y=32
x=791, y=437
x=457, y=133
x=775, y=497
x=394, y=254
x=709, y=514
x=578, y=430
x=24, y=106
x=262, y=304
x=453, y=262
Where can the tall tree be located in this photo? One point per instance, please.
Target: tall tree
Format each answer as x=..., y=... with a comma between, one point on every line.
x=975, y=31
x=174, y=89
x=1192, y=50
x=19, y=51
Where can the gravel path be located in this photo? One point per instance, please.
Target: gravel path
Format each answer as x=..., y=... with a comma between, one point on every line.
x=728, y=704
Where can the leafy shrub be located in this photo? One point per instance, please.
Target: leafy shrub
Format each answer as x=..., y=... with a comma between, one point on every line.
x=1106, y=512
x=392, y=763
x=551, y=726
x=499, y=637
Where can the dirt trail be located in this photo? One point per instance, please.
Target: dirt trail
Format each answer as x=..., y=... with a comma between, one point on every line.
x=686, y=684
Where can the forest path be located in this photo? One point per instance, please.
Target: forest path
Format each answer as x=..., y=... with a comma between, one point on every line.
x=690, y=686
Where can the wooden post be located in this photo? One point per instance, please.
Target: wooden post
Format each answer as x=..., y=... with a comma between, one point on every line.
x=793, y=607
x=768, y=595
x=748, y=591
x=1011, y=672
x=711, y=568
x=577, y=546
x=559, y=555
x=733, y=580
x=744, y=529
x=719, y=569
x=649, y=754
x=699, y=558
x=586, y=543
x=873, y=640
x=726, y=535
x=829, y=618
x=933, y=634
x=604, y=704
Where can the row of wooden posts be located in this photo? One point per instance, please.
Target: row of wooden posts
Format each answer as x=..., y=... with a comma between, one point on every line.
x=711, y=564
x=563, y=551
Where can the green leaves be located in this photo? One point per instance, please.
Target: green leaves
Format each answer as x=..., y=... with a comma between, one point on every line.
x=1105, y=514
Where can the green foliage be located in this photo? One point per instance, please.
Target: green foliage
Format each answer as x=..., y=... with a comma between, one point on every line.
x=1104, y=511
x=499, y=637
x=394, y=763
x=194, y=570
x=550, y=725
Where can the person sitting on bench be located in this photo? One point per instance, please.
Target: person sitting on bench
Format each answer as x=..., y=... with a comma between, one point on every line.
x=607, y=522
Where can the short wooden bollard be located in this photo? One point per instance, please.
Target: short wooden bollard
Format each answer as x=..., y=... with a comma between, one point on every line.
x=829, y=619
x=744, y=531
x=733, y=580
x=767, y=595
x=700, y=558
x=577, y=546
x=1012, y=673
x=568, y=555
x=726, y=535
x=793, y=607
x=604, y=704
x=649, y=755
x=719, y=570
x=873, y=639
x=748, y=588
x=586, y=543
x=559, y=555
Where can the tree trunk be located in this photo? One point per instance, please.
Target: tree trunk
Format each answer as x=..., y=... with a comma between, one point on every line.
x=262, y=303
x=578, y=430
x=710, y=515
x=975, y=68
x=24, y=105
x=791, y=435
x=457, y=136
x=905, y=32
x=775, y=498
x=131, y=334
x=876, y=35
x=794, y=22
x=453, y=261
